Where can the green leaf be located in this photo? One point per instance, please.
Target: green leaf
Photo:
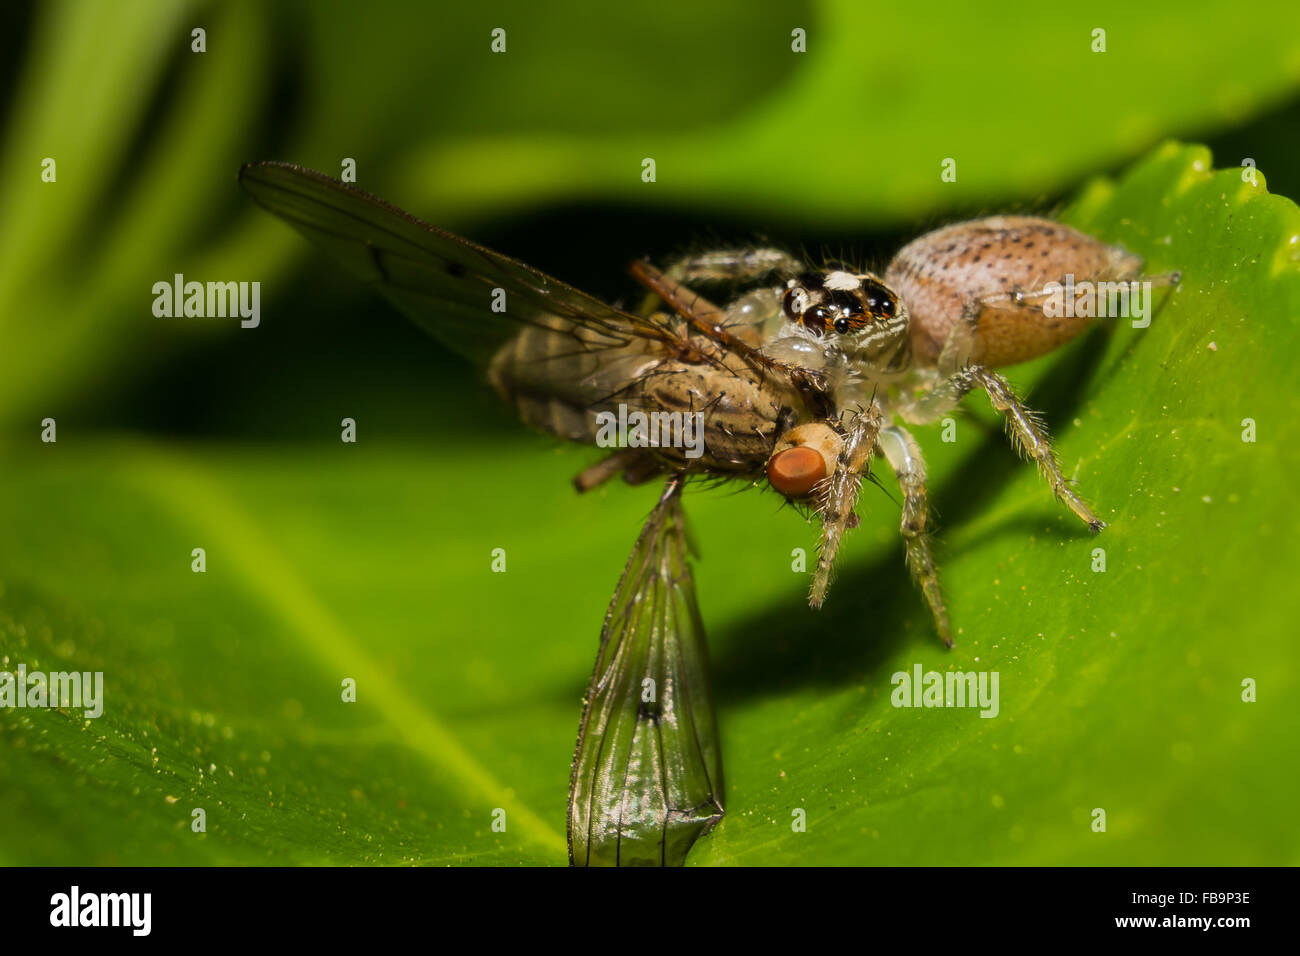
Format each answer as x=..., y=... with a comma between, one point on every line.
x=1118, y=690
x=1025, y=102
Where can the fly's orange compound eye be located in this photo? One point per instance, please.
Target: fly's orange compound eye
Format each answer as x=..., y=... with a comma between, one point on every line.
x=795, y=471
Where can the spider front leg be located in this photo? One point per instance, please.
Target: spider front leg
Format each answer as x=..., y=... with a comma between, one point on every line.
x=904, y=456
x=734, y=265
x=837, y=494
x=717, y=266
x=1025, y=429
x=743, y=341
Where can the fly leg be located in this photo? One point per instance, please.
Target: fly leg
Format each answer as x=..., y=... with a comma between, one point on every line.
x=837, y=494
x=633, y=464
x=601, y=471
x=904, y=456
x=710, y=321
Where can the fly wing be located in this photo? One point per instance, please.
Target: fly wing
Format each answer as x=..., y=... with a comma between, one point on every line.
x=647, y=773
x=444, y=283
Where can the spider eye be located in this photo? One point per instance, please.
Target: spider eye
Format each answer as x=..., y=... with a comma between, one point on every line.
x=795, y=303
x=881, y=302
x=848, y=311
x=815, y=319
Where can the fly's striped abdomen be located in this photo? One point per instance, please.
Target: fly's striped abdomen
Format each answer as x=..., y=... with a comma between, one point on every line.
x=739, y=416
x=555, y=377
x=563, y=382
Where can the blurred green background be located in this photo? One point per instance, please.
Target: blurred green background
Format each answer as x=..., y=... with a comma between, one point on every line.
x=371, y=561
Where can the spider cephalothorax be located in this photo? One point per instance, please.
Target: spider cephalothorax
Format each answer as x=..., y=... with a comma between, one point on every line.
x=855, y=312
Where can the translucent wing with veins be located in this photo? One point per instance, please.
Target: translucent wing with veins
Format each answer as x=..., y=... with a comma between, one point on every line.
x=440, y=281
x=647, y=773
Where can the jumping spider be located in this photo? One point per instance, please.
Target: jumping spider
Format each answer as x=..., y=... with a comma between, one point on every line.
x=877, y=354
x=802, y=377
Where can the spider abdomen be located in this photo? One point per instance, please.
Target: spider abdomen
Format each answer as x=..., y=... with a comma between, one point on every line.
x=994, y=271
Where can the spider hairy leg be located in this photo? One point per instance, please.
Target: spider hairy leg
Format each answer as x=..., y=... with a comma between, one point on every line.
x=901, y=450
x=838, y=494
x=734, y=265
x=1027, y=433
x=711, y=322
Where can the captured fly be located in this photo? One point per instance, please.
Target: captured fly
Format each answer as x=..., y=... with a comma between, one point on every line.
x=801, y=379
